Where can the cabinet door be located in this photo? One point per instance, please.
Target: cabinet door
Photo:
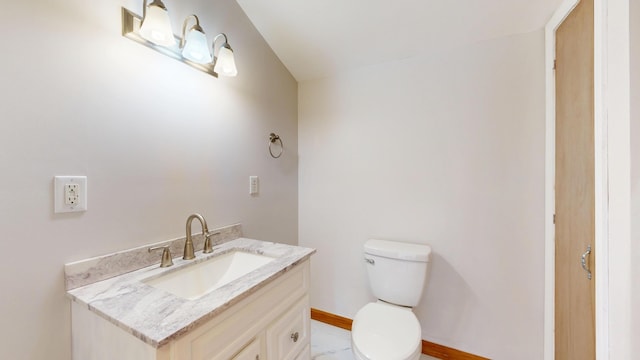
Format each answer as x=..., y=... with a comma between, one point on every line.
x=253, y=351
x=305, y=354
x=289, y=335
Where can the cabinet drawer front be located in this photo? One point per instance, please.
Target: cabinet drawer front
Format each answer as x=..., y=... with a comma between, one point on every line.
x=252, y=351
x=289, y=335
x=304, y=354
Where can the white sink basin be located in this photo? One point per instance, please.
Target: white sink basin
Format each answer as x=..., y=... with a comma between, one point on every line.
x=194, y=281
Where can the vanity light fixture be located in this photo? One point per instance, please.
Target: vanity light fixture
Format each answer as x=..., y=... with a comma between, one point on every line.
x=194, y=43
x=153, y=30
x=156, y=25
x=224, y=63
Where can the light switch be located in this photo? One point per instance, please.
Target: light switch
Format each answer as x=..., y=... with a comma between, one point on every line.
x=253, y=185
x=69, y=194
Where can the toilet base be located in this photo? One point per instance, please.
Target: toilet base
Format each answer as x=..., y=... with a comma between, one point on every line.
x=358, y=356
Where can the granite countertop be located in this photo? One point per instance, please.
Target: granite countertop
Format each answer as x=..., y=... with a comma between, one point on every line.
x=158, y=317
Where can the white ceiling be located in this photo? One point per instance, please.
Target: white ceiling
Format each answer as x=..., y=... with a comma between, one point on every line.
x=321, y=38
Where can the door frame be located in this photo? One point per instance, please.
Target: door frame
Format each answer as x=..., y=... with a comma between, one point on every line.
x=612, y=178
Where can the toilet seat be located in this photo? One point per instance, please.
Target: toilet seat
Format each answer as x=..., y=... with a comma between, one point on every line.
x=382, y=331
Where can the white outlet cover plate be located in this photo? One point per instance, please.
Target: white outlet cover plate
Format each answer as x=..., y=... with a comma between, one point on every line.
x=59, y=205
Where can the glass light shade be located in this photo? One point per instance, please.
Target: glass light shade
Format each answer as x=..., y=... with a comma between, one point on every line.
x=156, y=26
x=196, y=48
x=225, y=64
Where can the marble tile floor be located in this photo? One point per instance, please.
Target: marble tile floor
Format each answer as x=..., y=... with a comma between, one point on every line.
x=333, y=343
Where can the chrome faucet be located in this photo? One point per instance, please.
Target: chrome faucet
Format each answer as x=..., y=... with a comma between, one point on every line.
x=188, y=245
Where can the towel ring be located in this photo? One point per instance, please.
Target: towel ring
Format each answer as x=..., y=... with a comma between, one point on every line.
x=272, y=140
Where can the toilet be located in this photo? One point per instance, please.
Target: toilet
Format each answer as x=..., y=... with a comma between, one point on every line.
x=388, y=329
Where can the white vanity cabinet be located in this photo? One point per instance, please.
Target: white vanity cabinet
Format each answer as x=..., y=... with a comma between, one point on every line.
x=271, y=323
x=253, y=351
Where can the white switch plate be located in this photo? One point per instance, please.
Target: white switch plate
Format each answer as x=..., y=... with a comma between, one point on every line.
x=253, y=185
x=69, y=194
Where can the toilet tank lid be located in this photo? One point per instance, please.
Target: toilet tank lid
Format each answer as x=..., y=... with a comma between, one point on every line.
x=398, y=250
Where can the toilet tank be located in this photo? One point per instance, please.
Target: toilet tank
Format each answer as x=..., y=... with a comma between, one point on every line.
x=397, y=270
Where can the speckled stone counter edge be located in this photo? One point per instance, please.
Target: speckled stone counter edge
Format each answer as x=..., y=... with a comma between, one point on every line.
x=89, y=271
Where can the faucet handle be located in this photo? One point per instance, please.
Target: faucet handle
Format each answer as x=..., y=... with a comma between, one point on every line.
x=166, y=255
x=207, y=243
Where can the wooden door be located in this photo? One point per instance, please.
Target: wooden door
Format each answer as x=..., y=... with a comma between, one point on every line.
x=575, y=189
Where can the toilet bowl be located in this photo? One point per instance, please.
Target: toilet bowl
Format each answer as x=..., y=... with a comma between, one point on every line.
x=382, y=331
x=388, y=329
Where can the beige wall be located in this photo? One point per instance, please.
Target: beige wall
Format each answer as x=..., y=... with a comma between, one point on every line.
x=157, y=139
x=448, y=150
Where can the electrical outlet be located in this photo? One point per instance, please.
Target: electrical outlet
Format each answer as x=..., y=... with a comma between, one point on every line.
x=69, y=194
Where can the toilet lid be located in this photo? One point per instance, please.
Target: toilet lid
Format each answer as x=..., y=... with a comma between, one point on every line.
x=383, y=331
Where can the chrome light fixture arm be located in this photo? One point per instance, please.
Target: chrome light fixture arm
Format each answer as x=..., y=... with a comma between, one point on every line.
x=196, y=27
x=223, y=62
x=224, y=44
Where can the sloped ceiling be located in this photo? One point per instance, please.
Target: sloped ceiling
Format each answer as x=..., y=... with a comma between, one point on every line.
x=322, y=38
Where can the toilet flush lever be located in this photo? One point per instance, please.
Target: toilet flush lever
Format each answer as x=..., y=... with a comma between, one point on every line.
x=370, y=261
